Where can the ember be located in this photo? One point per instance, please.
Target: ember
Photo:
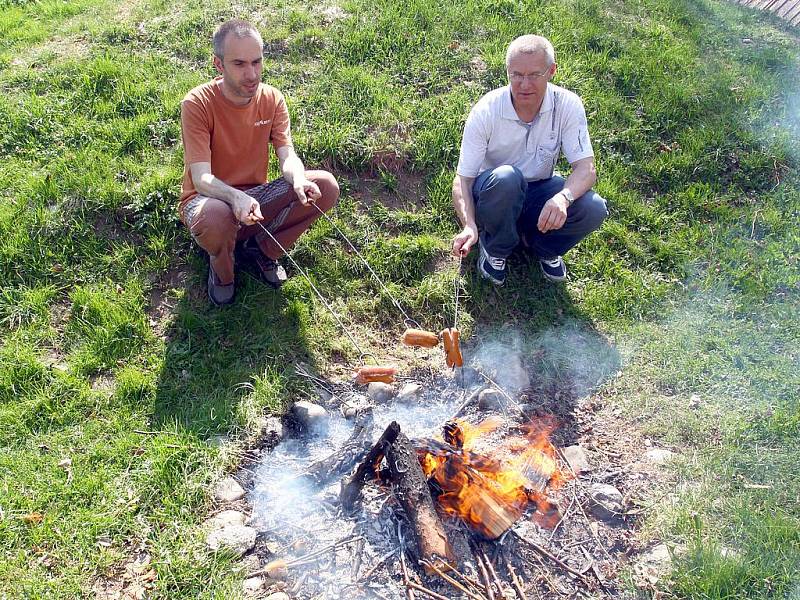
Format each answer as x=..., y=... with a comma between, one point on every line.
x=486, y=492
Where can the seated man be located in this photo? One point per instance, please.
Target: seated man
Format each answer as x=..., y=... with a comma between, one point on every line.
x=227, y=125
x=504, y=192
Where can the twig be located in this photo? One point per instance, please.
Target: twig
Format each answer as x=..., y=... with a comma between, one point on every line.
x=452, y=581
x=515, y=580
x=406, y=578
x=311, y=556
x=425, y=590
x=381, y=560
x=466, y=578
x=552, y=557
x=493, y=573
x=485, y=574
x=595, y=571
x=561, y=520
x=357, y=559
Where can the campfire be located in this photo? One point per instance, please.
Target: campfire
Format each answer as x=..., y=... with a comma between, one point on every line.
x=446, y=503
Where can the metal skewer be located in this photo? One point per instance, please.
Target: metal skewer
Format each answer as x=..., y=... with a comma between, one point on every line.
x=408, y=320
x=316, y=291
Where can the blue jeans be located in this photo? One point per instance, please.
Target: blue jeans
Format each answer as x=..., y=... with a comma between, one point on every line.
x=507, y=209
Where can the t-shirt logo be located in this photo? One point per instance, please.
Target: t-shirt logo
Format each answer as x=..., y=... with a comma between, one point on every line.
x=260, y=123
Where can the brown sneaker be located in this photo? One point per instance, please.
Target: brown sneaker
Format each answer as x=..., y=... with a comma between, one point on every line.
x=271, y=271
x=218, y=293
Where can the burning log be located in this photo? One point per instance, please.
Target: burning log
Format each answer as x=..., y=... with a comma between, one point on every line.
x=351, y=486
x=411, y=489
x=351, y=452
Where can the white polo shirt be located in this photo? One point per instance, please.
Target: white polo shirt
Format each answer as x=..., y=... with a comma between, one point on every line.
x=494, y=135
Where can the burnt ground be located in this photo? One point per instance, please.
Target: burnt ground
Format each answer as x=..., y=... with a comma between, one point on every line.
x=578, y=551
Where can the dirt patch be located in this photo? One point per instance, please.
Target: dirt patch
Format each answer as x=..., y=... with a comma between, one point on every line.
x=396, y=191
x=162, y=301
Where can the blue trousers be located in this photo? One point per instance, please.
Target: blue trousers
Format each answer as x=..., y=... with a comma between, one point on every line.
x=507, y=209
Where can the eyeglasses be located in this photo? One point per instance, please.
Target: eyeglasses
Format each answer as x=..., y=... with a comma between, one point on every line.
x=519, y=77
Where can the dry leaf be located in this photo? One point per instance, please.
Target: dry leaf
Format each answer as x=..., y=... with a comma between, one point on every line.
x=65, y=463
x=32, y=518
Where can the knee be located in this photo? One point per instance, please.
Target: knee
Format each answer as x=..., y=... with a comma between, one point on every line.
x=594, y=209
x=328, y=188
x=506, y=182
x=215, y=224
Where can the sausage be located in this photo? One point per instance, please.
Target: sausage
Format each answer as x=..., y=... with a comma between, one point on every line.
x=452, y=348
x=370, y=374
x=420, y=337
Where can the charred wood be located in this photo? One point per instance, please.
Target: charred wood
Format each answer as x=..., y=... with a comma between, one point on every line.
x=351, y=486
x=342, y=461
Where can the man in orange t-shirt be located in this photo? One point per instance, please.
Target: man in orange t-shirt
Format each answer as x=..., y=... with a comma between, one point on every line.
x=228, y=125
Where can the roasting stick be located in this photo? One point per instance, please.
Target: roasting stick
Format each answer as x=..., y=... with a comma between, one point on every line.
x=316, y=291
x=408, y=320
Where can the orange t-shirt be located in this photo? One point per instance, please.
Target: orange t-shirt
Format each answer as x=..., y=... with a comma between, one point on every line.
x=234, y=139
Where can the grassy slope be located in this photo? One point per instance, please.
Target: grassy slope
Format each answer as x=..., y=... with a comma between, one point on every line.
x=695, y=273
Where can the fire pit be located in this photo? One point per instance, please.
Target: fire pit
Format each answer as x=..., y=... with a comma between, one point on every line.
x=431, y=495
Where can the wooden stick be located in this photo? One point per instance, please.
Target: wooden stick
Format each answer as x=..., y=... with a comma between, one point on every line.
x=351, y=486
x=453, y=582
x=515, y=580
x=493, y=573
x=357, y=560
x=425, y=590
x=552, y=557
x=485, y=574
x=595, y=571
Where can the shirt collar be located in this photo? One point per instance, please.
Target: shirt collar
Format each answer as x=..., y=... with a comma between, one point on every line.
x=507, y=108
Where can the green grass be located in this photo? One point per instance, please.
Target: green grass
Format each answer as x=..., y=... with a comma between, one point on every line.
x=106, y=331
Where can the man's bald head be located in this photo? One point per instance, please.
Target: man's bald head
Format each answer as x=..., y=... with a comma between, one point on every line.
x=531, y=44
x=236, y=28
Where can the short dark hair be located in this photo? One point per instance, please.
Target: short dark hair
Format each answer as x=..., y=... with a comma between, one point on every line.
x=239, y=28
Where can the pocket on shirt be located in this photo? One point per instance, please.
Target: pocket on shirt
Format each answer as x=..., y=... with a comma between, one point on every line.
x=546, y=157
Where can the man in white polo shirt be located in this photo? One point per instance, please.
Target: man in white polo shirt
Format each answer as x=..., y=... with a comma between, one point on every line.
x=505, y=192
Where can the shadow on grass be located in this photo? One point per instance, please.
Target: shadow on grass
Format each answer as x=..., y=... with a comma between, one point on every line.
x=225, y=366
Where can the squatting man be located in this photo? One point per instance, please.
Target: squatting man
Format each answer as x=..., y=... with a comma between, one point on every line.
x=228, y=125
x=505, y=192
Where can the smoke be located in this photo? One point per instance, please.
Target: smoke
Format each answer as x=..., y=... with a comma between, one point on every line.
x=570, y=355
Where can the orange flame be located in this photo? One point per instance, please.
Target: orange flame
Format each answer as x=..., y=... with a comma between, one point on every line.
x=490, y=493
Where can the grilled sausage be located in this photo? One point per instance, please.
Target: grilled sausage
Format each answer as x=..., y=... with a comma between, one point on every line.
x=420, y=337
x=370, y=374
x=452, y=348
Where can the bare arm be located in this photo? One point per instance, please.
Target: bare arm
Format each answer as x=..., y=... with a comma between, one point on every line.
x=580, y=181
x=464, y=204
x=244, y=207
x=295, y=173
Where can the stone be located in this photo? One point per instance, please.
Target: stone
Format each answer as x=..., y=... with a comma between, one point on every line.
x=380, y=392
x=278, y=596
x=228, y=490
x=238, y=538
x=251, y=563
x=492, y=399
x=224, y=519
x=271, y=429
x=218, y=441
x=659, y=456
x=410, y=391
x=606, y=502
x=652, y=566
x=308, y=414
x=252, y=586
x=577, y=459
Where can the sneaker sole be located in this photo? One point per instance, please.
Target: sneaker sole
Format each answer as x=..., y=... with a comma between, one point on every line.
x=488, y=277
x=552, y=277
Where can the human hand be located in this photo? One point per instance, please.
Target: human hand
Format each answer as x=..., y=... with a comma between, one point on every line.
x=307, y=191
x=464, y=241
x=554, y=214
x=247, y=209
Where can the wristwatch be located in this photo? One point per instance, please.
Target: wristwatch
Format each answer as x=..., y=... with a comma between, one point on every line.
x=568, y=195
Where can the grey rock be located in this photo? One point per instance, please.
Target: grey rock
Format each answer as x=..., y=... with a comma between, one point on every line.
x=251, y=563
x=252, y=586
x=278, y=596
x=228, y=490
x=308, y=413
x=224, y=519
x=410, y=391
x=606, y=502
x=577, y=459
x=271, y=429
x=218, y=441
x=380, y=392
x=492, y=399
x=659, y=456
x=238, y=538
